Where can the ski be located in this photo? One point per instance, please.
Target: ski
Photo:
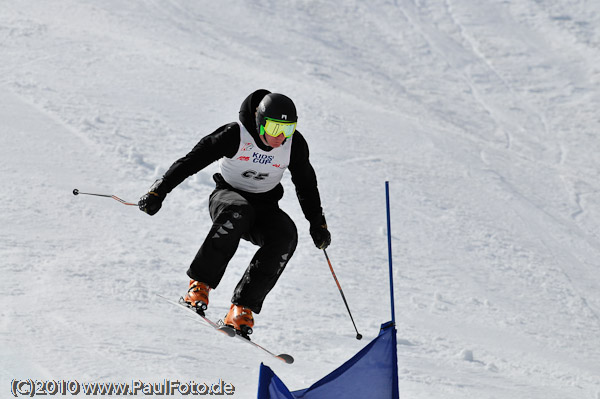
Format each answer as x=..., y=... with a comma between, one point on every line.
x=284, y=357
x=225, y=329
x=230, y=332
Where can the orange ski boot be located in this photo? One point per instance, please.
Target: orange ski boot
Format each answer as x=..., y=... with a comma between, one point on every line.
x=240, y=318
x=197, y=296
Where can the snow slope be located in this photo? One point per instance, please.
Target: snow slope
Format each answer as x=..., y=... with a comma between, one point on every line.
x=482, y=115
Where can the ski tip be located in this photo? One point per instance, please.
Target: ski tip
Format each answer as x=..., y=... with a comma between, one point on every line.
x=286, y=358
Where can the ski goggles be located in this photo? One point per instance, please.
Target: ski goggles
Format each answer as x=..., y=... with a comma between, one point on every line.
x=275, y=127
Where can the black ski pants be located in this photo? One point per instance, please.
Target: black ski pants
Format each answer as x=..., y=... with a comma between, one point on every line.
x=262, y=223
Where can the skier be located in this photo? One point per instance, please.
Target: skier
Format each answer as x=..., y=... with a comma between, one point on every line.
x=253, y=154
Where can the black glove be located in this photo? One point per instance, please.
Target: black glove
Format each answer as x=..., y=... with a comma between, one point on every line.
x=152, y=200
x=319, y=232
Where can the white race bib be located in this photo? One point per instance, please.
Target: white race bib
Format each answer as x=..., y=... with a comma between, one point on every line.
x=252, y=169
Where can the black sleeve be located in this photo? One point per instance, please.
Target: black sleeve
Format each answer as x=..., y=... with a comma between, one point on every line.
x=223, y=142
x=305, y=179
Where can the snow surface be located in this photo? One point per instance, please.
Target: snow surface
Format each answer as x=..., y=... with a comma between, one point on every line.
x=483, y=115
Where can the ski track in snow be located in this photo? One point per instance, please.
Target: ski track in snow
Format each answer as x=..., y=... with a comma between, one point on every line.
x=483, y=115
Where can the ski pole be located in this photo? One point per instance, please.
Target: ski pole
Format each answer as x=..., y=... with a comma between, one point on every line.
x=77, y=192
x=358, y=335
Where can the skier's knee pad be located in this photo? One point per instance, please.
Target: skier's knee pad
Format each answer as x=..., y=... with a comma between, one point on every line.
x=237, y=216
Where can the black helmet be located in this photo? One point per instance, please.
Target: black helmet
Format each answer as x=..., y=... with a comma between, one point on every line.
x=275, y=106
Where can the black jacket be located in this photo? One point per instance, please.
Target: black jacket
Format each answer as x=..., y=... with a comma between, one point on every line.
x=225, y=141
